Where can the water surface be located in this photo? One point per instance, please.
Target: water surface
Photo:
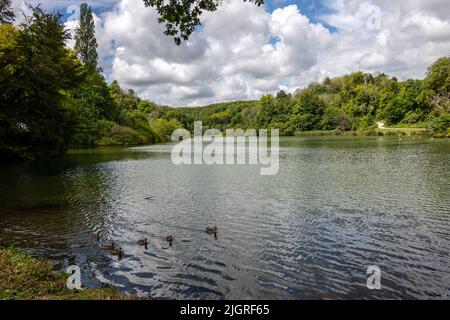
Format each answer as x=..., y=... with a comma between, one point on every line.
x=337, y=206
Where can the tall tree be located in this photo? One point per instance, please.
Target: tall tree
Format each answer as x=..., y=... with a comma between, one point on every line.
x=36, y=71
x=85, y=41
x=6, y=12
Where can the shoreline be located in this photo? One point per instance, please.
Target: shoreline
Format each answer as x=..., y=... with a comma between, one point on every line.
x=26, y=278
x=370, y=132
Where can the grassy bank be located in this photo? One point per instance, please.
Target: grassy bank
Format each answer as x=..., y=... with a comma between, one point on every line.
x=25, y=278
x=370, y=132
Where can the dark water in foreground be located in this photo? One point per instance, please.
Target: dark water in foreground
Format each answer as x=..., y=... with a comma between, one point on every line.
x=337, y=206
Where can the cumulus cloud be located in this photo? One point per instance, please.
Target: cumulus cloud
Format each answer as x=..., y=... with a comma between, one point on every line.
x=398, y=37
x=243, y=51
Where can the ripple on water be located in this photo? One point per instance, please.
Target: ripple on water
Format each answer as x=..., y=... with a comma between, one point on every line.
x=336, y=207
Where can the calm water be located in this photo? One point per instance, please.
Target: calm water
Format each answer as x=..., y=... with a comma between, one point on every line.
x=337, y=206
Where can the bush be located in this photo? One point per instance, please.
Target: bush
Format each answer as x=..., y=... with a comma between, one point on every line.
x=163, y=128
x=411, y=118
x=121, y=136
x=441, y=125
x=366, y=123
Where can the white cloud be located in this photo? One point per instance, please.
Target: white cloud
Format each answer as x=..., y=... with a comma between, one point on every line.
x=409, y=37
x=228, y=59
x=242, y=51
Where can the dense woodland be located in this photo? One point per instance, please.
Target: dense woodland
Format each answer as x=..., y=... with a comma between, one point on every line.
x=53, y=98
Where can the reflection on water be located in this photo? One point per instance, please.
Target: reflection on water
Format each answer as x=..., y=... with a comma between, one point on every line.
x=337, y=206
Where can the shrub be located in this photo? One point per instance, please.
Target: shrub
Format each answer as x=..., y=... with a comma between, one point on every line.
x=121, y=136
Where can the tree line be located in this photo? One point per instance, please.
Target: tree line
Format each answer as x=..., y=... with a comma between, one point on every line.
x=354, y=102
x=53, y=98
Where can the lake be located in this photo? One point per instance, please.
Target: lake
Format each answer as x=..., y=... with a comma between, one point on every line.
x=337, y=206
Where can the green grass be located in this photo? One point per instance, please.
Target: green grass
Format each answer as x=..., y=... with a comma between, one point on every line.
x=402, y=131
x=318, y=133
x=25, y=278
x=369, y=132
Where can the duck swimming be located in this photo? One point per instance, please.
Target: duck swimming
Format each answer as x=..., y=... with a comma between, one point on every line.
x=109, y=246
x=116, y=252
x=169, y=238
x=211, y=230
x=143, y=242
x=96, y=236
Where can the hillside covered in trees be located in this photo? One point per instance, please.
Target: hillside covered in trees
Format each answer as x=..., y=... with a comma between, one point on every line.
x=54, y=98
x=351, y=102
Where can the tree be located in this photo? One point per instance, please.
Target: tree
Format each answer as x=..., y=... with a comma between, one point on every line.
x=437, y=86
x=85, y=41
x=6, y=12
x=125, y=99
x=163, y=128
x=282, y=95
x=343, y=122
x=438, y=76
x=91, y=102
x=95, y=94
x=36, y=73
x=181, y=17
x=309, y=102
x=267, y=110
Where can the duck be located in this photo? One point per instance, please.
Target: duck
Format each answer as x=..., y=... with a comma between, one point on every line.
x=116, y=252
x=169, y=238
x=211, y=230
x=109, y=246
x=143, y=242
x=96, y=236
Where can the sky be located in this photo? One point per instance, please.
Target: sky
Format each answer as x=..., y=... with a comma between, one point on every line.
x=242, y=51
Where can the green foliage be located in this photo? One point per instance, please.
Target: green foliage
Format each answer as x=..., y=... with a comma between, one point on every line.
x=441, y=125
x=85, y=41
x=267, y=110
x=335, y=118
x=437, y=94
x=351, y=102
x=36, y=72
x=309, y=103
x=365, y=123
x=52, y=100
x=438, y=76
x=125, y=99
x=90, y=103
x=274, y=109
x=133, y=112
x=121, y=136
x=163, y=128
x=146, y=106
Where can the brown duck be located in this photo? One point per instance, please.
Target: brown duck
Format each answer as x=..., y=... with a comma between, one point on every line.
x=109, y=246
x=211, y=230
x=143, y=242
x=169, y=238
x=96, y=236
x=116, y=252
